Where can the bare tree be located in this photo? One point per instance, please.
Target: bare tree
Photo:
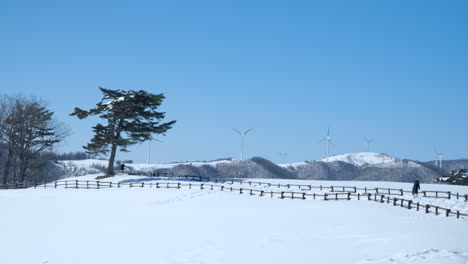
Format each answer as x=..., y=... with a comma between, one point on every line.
x=28, y=129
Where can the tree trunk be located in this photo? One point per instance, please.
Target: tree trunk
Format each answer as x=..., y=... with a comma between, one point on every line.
x=6, y=170
x=110, y=167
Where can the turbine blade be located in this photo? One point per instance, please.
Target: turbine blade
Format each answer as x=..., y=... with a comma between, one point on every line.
x=237, y=131
x=247, y=131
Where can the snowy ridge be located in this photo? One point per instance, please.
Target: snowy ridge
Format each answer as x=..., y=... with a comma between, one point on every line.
x=370, y=159
x=86, y=166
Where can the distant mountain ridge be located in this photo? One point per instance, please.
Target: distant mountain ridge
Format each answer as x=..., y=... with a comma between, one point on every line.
x=353, y=166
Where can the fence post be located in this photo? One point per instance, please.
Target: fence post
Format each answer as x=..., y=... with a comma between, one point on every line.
x=331, y=189
x=437, y=210
x=222, y=188
x=271, y=194
x=417, y=206
x=201, y=186
x=401, y=191
x=251, y=193
x=87, y=184
x=355, y=189
x=325, y=197
x=409, y=204
x=369, y=197
x=303, y=196
x=365, y=190
x=261, y=193
x=394, y=201
x=55, y=184
x=118, y=185
x=35, y=184
x=66, y=184
x=212, y=187
x=458, y=214
x=349, y=196
x=458, y=195
x=424, y=193
x=131, y=185
x=178, y=185
x=76, y=184
x=376, y=190
x=190, y=186
x=449, y=195
x=447, y=212
x=427, y=208
x=320, y=187
x=240, y=191
x=359, y=196
x=402, y=202
x=282, y=195
x=382, y=199
x=97, y=184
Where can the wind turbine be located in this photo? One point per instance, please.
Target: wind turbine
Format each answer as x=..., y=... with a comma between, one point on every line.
x=149, y=149
x=283, y=156
x=328, y=140
x=368, y=142
x=242, y=141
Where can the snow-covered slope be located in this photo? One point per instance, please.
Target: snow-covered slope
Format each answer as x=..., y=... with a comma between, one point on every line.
x=371, y=159
x=179, y=226
x=83, y=167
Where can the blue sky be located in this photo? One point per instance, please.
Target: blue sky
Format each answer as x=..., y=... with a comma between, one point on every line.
x=395, y=71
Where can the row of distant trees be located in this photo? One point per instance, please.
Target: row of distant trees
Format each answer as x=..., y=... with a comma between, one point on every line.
x=29, y=131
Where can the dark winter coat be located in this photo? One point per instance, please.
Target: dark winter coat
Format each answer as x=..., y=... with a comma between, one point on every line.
x=416, y=187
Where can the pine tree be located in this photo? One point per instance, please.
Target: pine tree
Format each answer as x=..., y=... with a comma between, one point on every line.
x=131, y=118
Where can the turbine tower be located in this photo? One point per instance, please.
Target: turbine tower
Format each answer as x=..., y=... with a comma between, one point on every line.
x=441, y=157
x=149, y=149
x=436, y=157
x=242, y=142
x=328, y=140
x=368, y=142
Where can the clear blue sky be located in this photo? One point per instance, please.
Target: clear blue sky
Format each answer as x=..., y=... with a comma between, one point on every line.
x=396, y=71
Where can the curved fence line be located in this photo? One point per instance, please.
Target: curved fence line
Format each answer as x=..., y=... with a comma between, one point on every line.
x=382, y=198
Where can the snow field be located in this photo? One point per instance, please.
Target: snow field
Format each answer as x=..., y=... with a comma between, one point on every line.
x=142, y=225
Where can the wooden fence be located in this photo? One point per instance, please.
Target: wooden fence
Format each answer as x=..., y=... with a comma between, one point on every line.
x=337, y=195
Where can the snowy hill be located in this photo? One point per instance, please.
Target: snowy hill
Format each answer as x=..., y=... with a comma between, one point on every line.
x=371, y=159
x=353, y=166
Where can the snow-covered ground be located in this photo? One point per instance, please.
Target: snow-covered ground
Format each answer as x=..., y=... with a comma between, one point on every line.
x=143, y=225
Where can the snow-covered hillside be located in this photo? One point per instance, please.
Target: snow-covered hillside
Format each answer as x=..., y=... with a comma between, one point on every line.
x=371, y=159
x=83, y=167
x=354, y=166
x=148, y=225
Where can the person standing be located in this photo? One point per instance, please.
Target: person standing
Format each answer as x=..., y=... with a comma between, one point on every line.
x=416, y=188
x=122, y=167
